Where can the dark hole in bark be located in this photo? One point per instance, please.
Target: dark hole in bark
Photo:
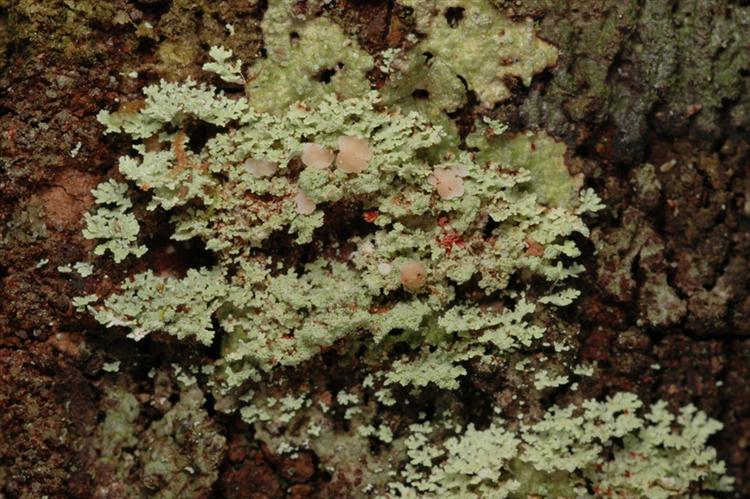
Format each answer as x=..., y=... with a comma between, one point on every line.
x=454, y=15
x=325, y=75
x=420, y=93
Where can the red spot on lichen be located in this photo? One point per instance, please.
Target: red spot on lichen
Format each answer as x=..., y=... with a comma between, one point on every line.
x=533, y=248
x=371, y=216
x=379, y=309
x=449, y=239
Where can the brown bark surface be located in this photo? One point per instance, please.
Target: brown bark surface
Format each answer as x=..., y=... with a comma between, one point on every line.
x=656, y=119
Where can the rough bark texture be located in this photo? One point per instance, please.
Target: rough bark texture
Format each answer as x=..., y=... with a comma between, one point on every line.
x=651, y=96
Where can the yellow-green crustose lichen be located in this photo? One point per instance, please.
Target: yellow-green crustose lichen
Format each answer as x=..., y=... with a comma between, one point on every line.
x=347, y=223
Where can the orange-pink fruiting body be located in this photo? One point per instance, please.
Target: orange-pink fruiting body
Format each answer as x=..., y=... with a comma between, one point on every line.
x=448, y=181
x=354, y=154
x=413, y=275
x=316, y=156
x=261, y=167
x=305, y=205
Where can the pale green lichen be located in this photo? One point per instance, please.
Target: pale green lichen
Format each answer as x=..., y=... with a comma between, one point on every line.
x=327, y=299
x=450, y=58
x=176, y=455
x=308, y=265
x=173, y=103
x=305, y=59
x=223, y=66
x=113, y=222
x=480, y=44
x=538, y=153
x=604, y=447
x=84, y=269
x=411, y=76
x=111, y=367
x=543, y=379
x=26, y=226
x=147, y=303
